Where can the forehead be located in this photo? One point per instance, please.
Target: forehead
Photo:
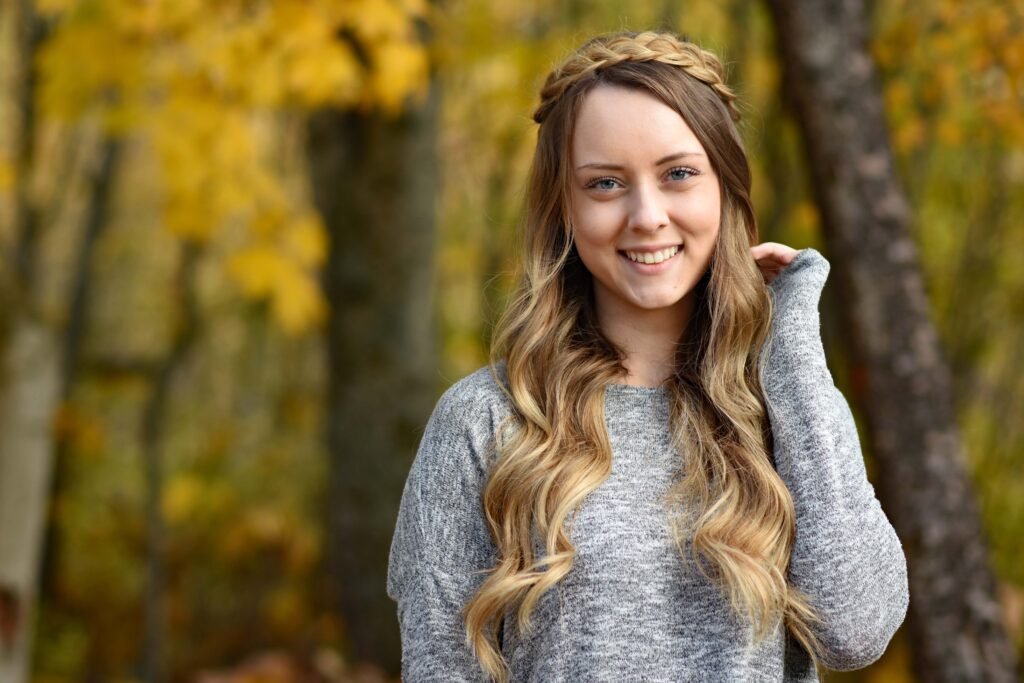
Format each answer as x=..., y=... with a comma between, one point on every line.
x=617, y=124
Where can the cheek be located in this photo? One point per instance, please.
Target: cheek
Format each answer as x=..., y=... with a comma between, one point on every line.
x=703, y=217
x=595, y=224
x=592, y=253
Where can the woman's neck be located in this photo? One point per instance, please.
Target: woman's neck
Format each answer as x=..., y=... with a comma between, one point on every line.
x=649, y=338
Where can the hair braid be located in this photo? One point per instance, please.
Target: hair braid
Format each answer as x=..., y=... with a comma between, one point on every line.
x=602, y=52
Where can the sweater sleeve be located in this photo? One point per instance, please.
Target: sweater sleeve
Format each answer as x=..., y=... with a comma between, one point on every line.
x=846, y=555
x=441, y=546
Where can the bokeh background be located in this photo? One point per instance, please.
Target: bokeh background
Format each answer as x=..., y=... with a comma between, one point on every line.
x=247, y=243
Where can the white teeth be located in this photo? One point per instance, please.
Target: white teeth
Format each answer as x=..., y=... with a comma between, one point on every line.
x=652, y=257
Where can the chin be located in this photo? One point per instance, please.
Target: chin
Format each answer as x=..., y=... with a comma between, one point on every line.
x=659, y=304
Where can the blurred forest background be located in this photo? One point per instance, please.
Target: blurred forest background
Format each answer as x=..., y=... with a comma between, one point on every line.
x=247, y=243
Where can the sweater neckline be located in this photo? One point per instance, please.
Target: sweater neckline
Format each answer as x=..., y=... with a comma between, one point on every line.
x=633, y=389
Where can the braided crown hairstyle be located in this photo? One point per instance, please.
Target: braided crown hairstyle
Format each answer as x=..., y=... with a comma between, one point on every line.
x=730, y=514
x=603, y=52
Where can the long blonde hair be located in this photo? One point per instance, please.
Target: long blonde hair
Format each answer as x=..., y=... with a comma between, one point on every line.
x=555, y=450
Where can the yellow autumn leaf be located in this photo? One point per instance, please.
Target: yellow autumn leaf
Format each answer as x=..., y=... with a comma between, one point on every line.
x=298, y=24
x=183, y=177
x=762, y=76
x=1015, y=130
x=123, y=117
x=898, y=96
x=181, y=497
x=947, y=76
x=264, y=525
x=230, y=195
x=950, y=132
x=232, y=144
x=266, y=224
x=329, y=74
x=399, y=69
x=7, y=175
x=997, y=22
x=270, y=197
x=188, y=220
x=805, y=215
x=257, y=269
x=306, y=240
x=376, y=20
x=803, y=223
x=909, y=136
x=52, y=8
x=298, y=304
x=266, y=82
x=948, y=11
x=416, y=8
x=1013, y=56
x=67, y=92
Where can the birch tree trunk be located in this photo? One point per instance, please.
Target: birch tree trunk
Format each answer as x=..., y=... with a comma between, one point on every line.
x=831, y=84
x=31, y=381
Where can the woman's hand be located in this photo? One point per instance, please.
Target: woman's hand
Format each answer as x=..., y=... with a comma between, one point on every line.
x=772, y=258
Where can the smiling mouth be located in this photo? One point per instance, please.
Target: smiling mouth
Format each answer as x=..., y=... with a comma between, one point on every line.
x=651, y=257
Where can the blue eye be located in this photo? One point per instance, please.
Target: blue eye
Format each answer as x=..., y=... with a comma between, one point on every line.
x=597, y=183
x=682, y=169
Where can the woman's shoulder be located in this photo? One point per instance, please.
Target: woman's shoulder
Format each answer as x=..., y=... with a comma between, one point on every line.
x=458, y=442
x=483, y=386
x=484, y=383
x=477, y=401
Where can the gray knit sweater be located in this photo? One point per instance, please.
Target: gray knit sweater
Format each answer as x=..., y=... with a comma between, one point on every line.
x=628, y=610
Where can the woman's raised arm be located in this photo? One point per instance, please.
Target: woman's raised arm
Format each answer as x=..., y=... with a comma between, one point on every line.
x=846, y=555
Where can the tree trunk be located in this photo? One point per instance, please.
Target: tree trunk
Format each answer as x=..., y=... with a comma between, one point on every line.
x=30, y=31
x=375, y=185
x=152, y=659
x=79, y=299
x=830, y=81
x=31, y=380
x=29, y=383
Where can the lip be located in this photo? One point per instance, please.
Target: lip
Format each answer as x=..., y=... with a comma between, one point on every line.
x=653, y=248
x=652, y=268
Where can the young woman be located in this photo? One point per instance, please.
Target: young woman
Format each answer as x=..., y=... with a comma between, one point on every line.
x=655, y=479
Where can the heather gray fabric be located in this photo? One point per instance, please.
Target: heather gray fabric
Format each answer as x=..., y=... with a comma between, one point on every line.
x=627, y=611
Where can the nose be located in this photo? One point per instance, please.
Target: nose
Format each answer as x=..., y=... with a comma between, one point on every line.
x=647, y=211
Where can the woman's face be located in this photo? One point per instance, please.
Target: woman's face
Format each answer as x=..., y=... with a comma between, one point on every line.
x=646, y=204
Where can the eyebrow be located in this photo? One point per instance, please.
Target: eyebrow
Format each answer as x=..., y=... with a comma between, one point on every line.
x=659, y=162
